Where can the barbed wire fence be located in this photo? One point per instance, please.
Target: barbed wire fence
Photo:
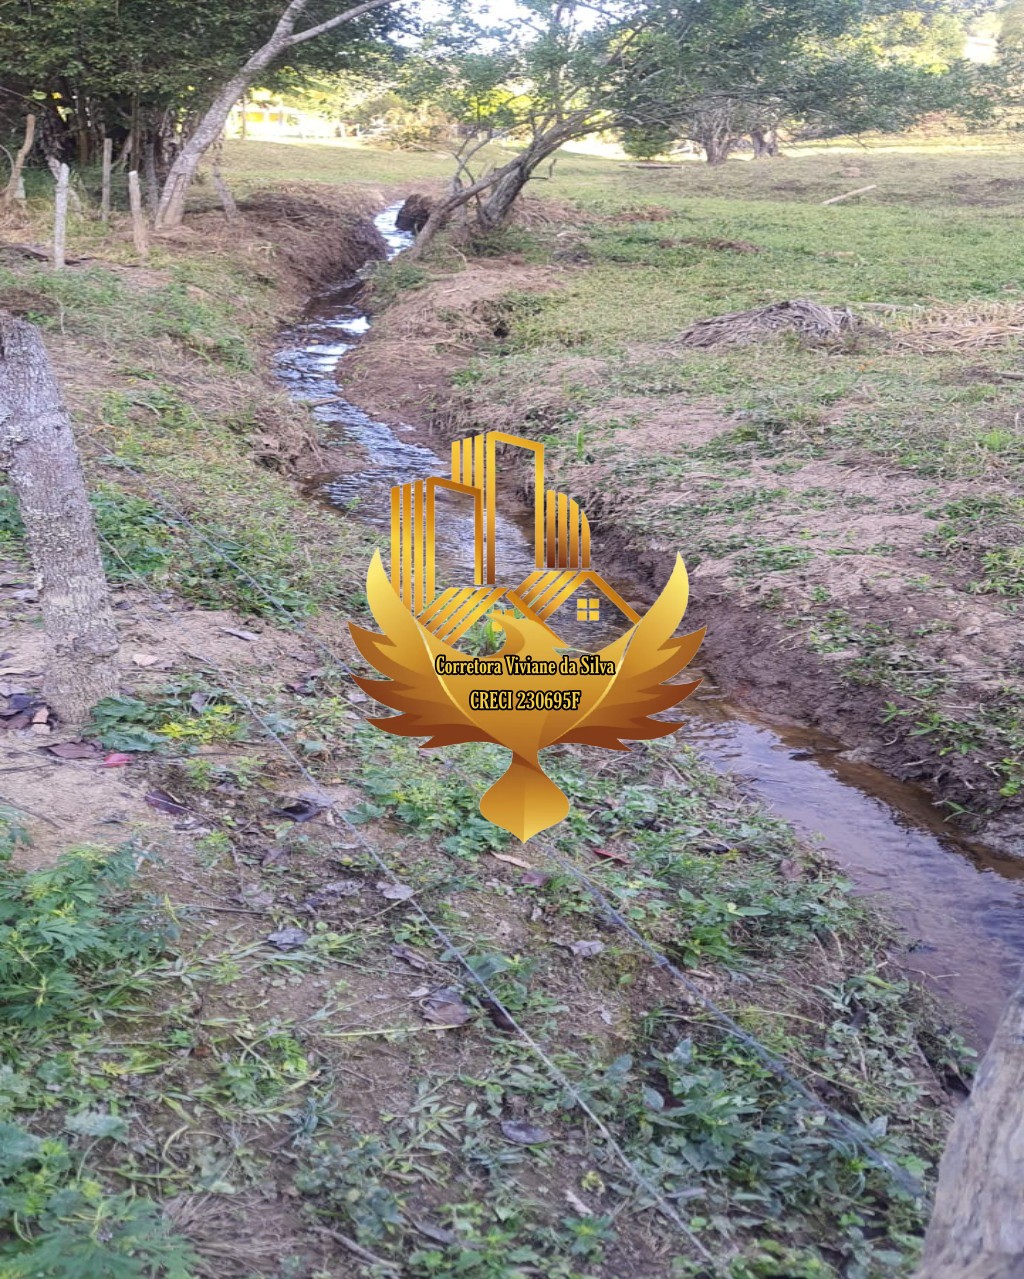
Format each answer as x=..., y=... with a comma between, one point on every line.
x=843, y=1125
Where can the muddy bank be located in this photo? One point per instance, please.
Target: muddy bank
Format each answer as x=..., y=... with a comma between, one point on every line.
x=764, y=628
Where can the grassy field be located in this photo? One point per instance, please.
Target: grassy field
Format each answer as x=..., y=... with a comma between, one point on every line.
x=440, y=1081
x=857, y=500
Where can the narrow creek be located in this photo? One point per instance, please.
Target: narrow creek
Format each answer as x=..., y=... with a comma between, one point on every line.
x=962, y=909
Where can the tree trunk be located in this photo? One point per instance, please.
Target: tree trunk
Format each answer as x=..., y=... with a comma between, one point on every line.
x=46, y=475
x=171, y=208
x=977, y=1225
x=151, y=185
x=717, y=145
x=766, y=144
x=503, y=195
x=14, y=185
x=108, y=151
x=227, y=200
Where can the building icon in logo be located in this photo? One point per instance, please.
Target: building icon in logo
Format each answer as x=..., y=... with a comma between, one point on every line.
x=561, y=547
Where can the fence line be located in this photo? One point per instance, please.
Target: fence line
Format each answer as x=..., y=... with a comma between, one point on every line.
x=848, y=1127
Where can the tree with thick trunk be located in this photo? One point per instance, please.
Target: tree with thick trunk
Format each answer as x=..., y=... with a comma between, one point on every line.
x=37, y=447
x=171, y=207
x=765, y=141
x=977, y=1225
x=503, y=185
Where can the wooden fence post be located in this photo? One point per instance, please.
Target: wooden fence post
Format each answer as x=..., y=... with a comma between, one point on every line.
x=73, y=197
x=38, y=449
x=60, y=216
x=15, y=190
x=139, y=233
x=977, y=1225
x=108, y=151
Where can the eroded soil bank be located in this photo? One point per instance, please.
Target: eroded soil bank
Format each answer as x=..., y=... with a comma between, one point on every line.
x=260, y=1048
x=839, y=591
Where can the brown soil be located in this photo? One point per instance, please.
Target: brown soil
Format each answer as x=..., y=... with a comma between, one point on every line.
x=418, y=342
x=755, y=657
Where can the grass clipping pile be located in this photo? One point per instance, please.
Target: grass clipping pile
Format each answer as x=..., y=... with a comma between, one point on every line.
x=926, y=330
x=970, y=327
x=810, y=320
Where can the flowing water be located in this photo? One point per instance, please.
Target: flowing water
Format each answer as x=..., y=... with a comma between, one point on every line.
x=961, y=908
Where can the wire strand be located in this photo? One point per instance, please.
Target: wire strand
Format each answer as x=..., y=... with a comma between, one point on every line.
x=849, y=1128
x=659, y=1200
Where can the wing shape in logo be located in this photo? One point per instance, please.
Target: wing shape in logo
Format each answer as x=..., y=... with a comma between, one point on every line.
x=593, y=709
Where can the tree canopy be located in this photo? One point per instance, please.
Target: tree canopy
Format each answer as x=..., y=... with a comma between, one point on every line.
x=135, y=69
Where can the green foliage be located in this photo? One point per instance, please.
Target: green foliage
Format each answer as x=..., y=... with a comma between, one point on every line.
x=129, y=63
x=71, y=938
x=647, y=143
x=60, y=1224
x=62, y=928
x=178, y=714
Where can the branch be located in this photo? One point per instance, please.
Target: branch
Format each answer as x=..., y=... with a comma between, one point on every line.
x=331, y=23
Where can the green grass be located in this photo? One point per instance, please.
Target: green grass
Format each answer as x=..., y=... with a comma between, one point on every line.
x=597, y=359
x=178, y=1095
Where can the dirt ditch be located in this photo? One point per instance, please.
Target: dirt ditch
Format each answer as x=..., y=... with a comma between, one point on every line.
x=811, y=744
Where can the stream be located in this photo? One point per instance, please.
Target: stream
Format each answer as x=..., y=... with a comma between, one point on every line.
x=961, y=908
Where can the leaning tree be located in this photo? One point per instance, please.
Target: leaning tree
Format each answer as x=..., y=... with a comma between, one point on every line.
x=160, y=80
x=710, y=69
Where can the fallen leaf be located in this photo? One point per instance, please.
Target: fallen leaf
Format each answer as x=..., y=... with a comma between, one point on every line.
x=164, y=803
x=21, y=719
x=288, y=939
x=303, y=686
x=256, y=897
x=343, y=888
x=498, y=1015
x=574, y=1201
x=199, y=702
x=74, y=750
x=524, y=1134
x=611, y=854
x=512, y=861
x=586, y=949
x=436, y=1233
x=116, y=759
x=144, y=659
x=302, y=808
x=395, y=892
x=534, y=879
x=410, y=957
x=789, y=869
x=445, y=1008
x=242, y=635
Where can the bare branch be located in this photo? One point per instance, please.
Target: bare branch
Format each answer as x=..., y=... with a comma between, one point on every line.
x=331, y=23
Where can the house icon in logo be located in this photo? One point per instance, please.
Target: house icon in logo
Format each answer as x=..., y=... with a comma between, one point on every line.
x=561, y=548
